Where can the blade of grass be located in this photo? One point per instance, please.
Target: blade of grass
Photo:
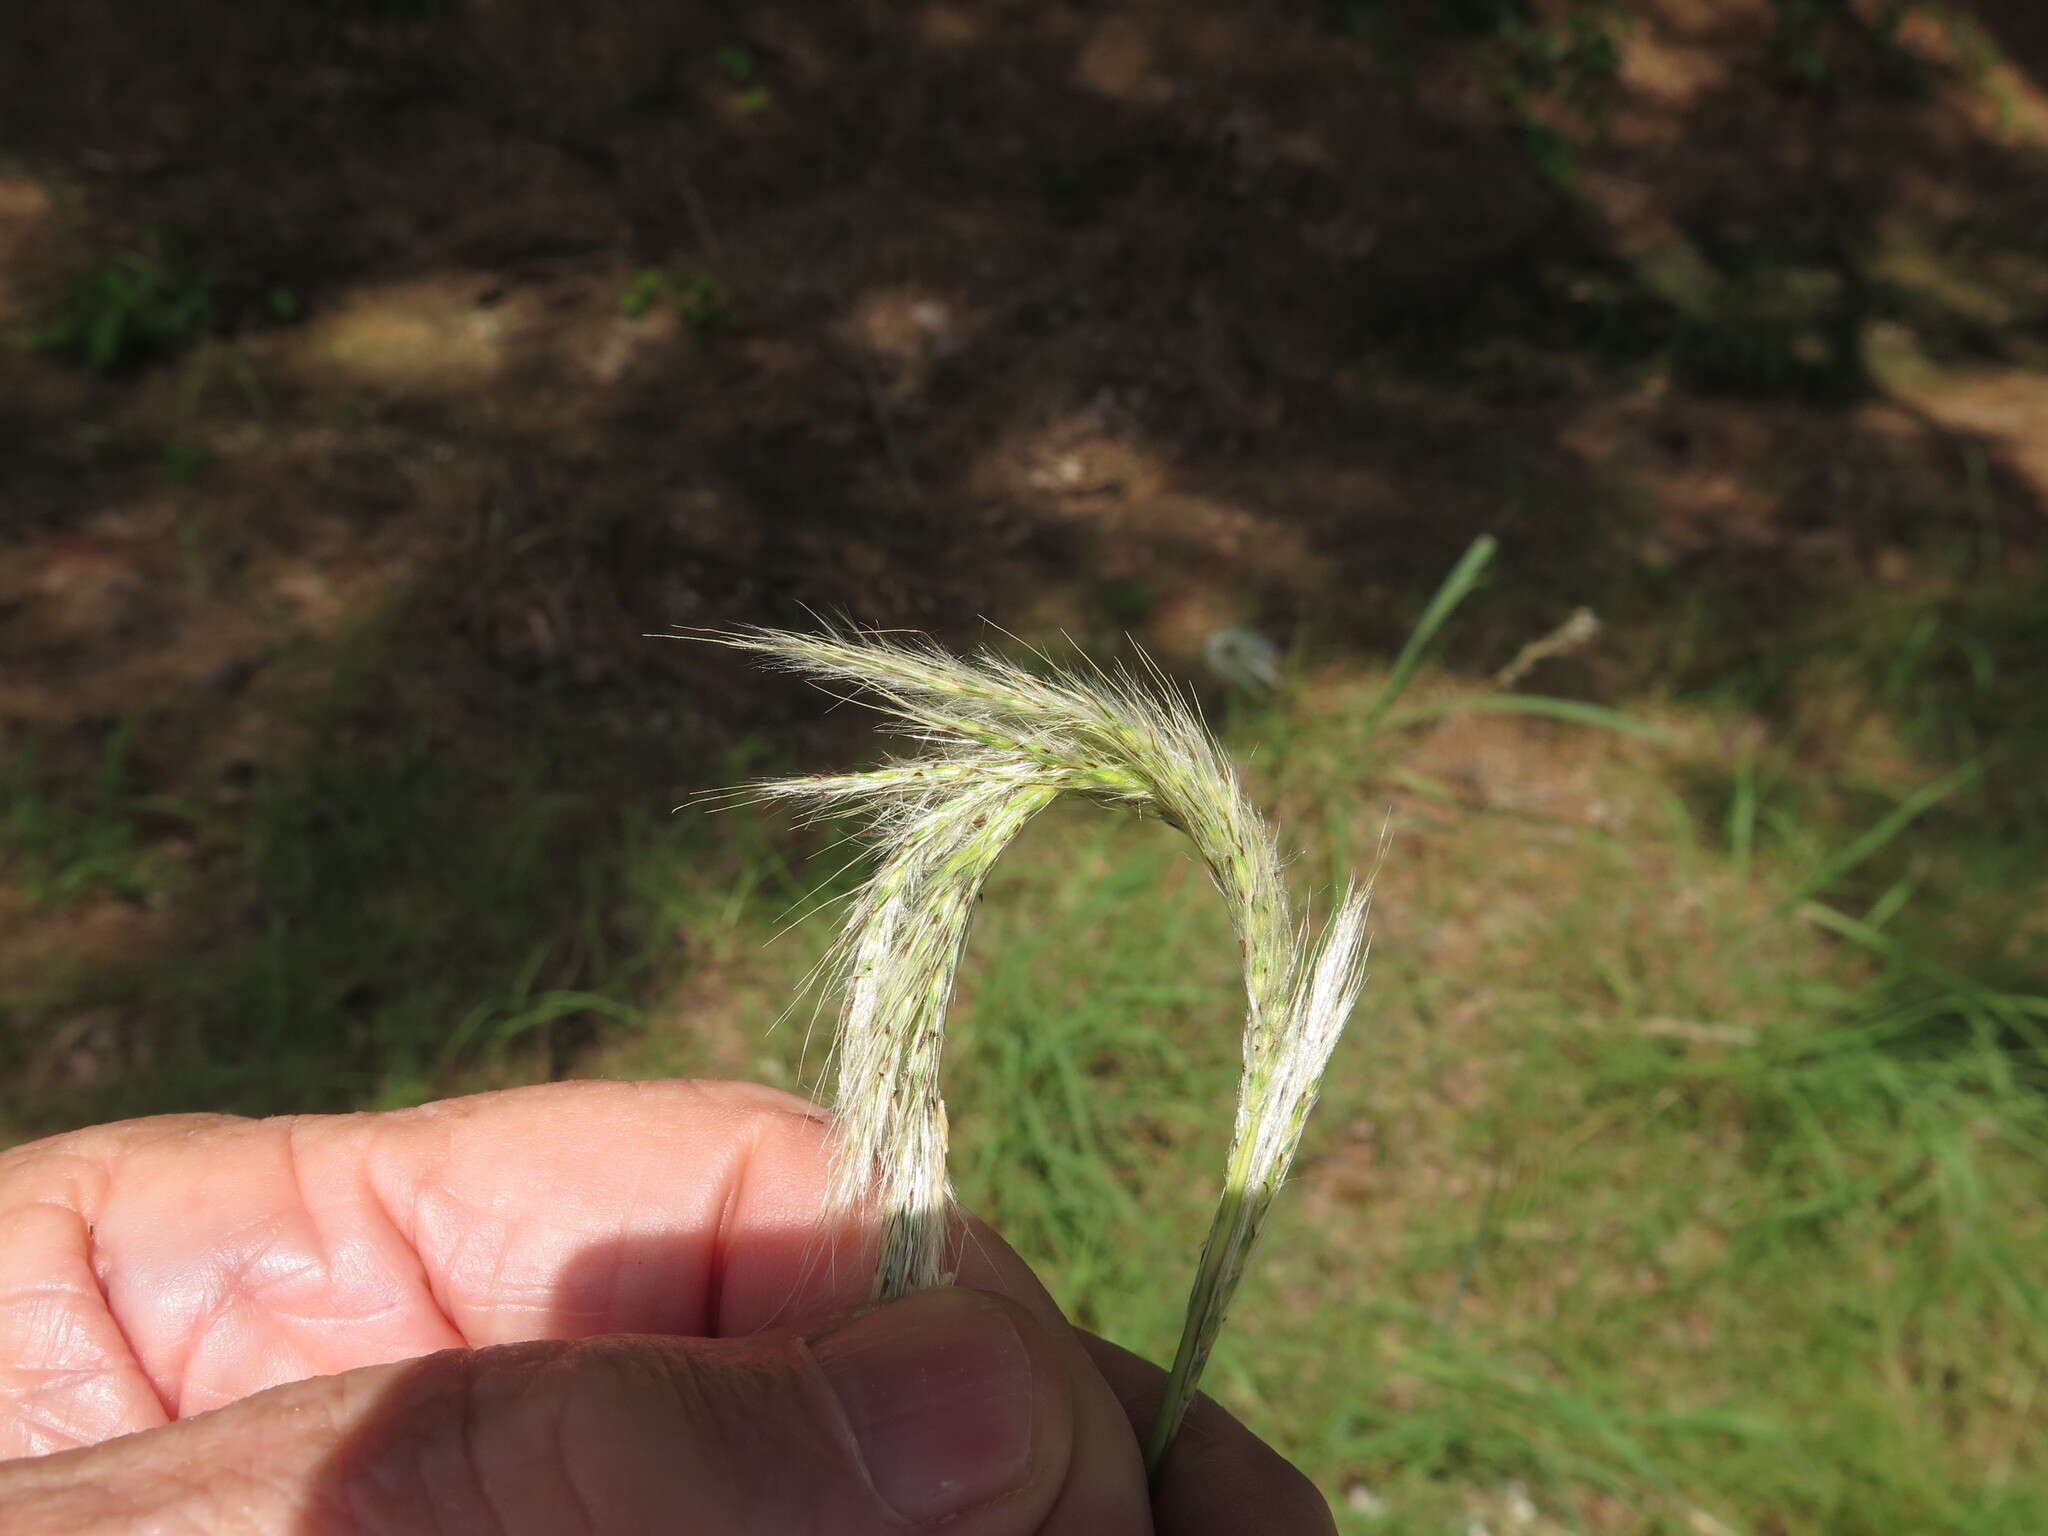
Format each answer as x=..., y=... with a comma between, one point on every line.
x=1887, y=827
x=1742, y=816
x=562, y=1004
x=1457, y=586
x=2015, y=1009
x=1577, y=711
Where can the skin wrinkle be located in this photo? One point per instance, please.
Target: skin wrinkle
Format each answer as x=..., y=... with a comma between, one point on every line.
x=599, y=1292
x=511, y=1295
x=561, y=1440
x=294, y=1254
x=427, y=1486
x=820, y=1267
x=717, y=1252
x=260, y=1488
x=586, y=1516
x=233, y=1292
x=483, y=1231
x=476, y=1456
x=338, y=1503
x=54, y=1289
x=443, y=1120
x=463, y=1236
x=366, y=1481
x=443, y=1278
x=407, y=1216
x=772, y=1108
x=829, y=1415
x=837, y=1259
x=295, y=1176
x=178, y=1395
x=169, y=1371
x=82, y=1168
x=338, y=1249
x=769, y=1111
x=48, y=1426
x=624, y=1292
x=371, y=1174
x=44, y=1431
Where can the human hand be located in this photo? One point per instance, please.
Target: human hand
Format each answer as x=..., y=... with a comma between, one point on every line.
x=584, y=1308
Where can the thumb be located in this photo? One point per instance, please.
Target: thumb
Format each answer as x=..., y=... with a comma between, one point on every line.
x=950, y=1408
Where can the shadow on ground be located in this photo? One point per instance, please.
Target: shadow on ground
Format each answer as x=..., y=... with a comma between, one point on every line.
x=529, y=333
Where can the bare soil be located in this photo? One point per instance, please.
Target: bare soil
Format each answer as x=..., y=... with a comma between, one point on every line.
x=1111, y=319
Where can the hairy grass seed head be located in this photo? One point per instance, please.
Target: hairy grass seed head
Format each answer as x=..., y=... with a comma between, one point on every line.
x=998, y=744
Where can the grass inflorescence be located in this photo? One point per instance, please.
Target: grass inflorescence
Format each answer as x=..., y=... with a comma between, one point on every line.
x=1001, y=743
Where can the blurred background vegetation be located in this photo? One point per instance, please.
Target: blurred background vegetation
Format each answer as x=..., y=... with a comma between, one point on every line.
x=378, y=372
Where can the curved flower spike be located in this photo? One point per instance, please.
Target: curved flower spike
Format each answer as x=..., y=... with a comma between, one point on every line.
x=1000, y=744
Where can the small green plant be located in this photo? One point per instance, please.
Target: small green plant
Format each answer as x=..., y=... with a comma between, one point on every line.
x=1552, y=154
x=736, y=62
x=740, y=67
x=697, y=297
x=1578, y=61
x=63, y=851
x=1781, y=316
x=1824, y=45
x=181, y=462
x=1575, y=64
x=132, y=307
x=700, y=299
x=646, y=290
x=1530, y=60
x=1128, y=602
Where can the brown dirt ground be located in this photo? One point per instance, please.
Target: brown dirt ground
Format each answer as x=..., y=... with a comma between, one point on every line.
x=1124, y=317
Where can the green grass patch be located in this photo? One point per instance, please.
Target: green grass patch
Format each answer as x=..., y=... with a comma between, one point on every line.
x=697, y=297
x=1646, y=1198
x=65, y=842
x=1682, y=1173
x=133, y=306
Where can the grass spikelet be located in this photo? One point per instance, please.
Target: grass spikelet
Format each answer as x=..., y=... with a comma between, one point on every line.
x=1000, y=743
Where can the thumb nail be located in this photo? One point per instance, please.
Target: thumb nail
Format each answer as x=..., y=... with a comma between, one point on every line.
x=939, y=1391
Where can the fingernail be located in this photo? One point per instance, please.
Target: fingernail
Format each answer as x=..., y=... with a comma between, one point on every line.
x=938, y=1389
